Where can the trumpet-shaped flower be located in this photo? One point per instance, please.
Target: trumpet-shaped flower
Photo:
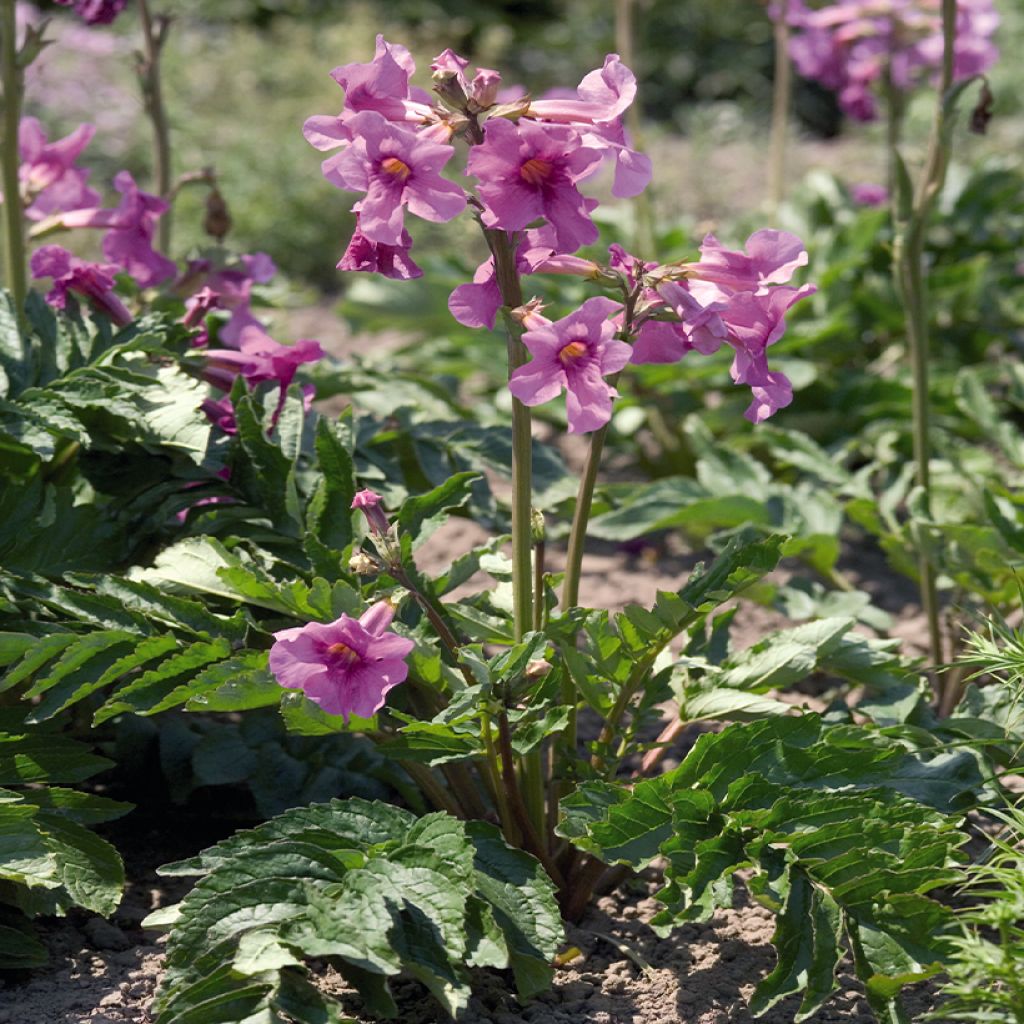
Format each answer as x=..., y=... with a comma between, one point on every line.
x=50, y=181
x=530, y=171
x=574, y=354
x=93, y=281
x=347, y=666
x=259, y=358
x=129, y=238
x=396, y=168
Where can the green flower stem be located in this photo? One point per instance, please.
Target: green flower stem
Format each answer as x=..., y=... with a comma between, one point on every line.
x=434, y=791
x=782, y=91
x=511, y=288
x=908, y=263
x=14, y=229
x=154, y=35
x=581, y=517
x=532, y=840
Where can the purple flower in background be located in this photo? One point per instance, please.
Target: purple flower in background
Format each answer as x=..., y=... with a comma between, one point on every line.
x=346, y=667
x=574, y=354
x=392, y=261
x=130, y=229
x=852, y=46
x=228, y=288
x=258, y=358
x=867, y=194
x=93, y=281
x=96, y=12
x=530, y=171
x=396, y=168
x=50, y=182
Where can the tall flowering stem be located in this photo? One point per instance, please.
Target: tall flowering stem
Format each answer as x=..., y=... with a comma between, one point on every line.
x=154, y=34
x=511, y=288
x=14, y=231
x=911, y=215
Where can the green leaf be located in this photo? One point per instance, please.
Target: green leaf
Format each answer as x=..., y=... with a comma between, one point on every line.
x=88, y=867
x=432, y=896
x=45, y=757
x=422, y=514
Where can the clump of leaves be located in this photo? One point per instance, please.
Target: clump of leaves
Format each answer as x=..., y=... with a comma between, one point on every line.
x=371, y=889
x=49, y=859
x=844, y=830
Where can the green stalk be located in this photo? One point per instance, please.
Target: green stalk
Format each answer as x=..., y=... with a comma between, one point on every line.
x=580, y=519
x=511, y=288
x=154, y=34
x=782, y=91
x=908, y=261
x=14, y=228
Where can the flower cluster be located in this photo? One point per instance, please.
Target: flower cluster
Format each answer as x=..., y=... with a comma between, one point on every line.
x=528, y=157
x=855, y=46
x=57, y=197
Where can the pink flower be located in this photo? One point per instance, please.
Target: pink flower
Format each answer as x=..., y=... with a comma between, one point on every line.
x=699, y=328
x=574, y=354
x=770, y=257
x=93, y=281
x=96, y=12
x=229, y=288
x=392, y=261
x=129, y=238
x=396, y=168
x=530, y=171
x=381, y=86
x=259, y=358
x=596, y=112
x=850, y=45
x=346, y=667
x=868, y=194
x=50, y=182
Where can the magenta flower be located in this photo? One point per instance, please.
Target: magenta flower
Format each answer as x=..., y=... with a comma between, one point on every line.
x=699, y=328
x=851, y=46
x=382, y=85
x=396, y=168
x=574, y=354
x=50, y=182
x=596, y=112
x=96, y=12
x=392, y=261
x=258, y=358
x=868, y=194
x=770, y=257
x=530, y=171
x=346, y=667
x=129, y=238
x=93, y=281
x=229, y=288
x=754, y=323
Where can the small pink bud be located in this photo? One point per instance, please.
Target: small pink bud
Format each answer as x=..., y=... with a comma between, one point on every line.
x=369, y=501
x=483, y=90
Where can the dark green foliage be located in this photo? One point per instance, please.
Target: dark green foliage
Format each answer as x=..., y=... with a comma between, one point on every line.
x=370, y=888
x=845, y=832
x=49, y=859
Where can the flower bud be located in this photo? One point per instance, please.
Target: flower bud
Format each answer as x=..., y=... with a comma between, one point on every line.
x=369, y=501
x=483, y=90
x=537, y=527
